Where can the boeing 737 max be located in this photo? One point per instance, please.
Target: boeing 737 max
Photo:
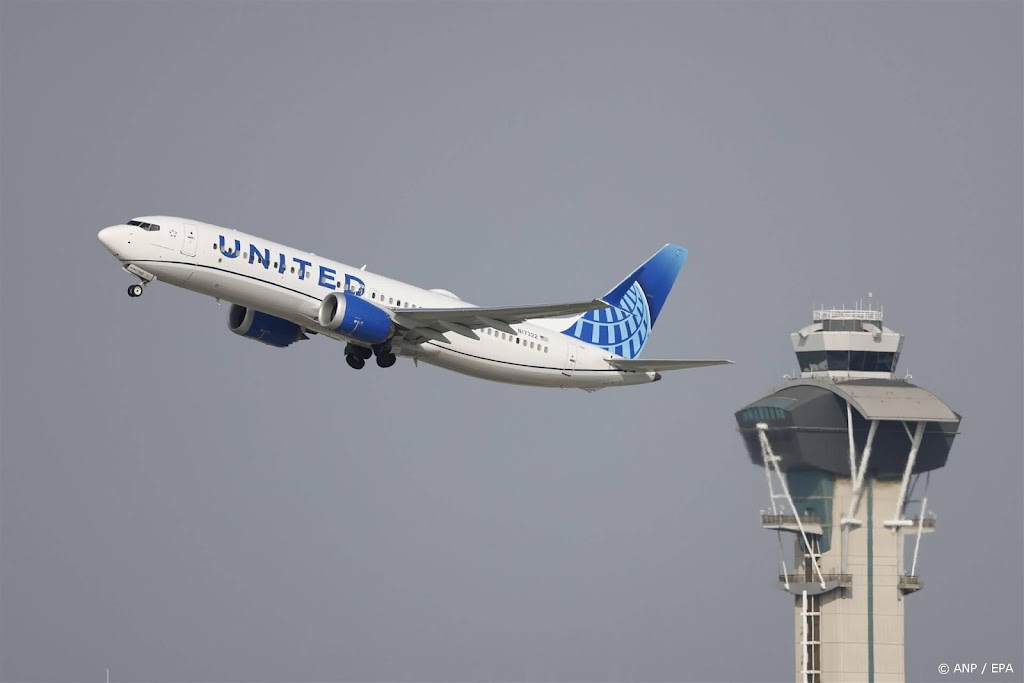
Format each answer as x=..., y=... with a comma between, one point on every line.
x=280, y=295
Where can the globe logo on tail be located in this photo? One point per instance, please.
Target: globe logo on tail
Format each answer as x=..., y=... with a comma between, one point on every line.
x=621, y=329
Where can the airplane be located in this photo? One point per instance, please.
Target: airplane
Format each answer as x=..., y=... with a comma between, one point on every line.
x=280, y=296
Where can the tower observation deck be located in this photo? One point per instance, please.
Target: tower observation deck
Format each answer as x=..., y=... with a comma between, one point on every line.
x=848, y=450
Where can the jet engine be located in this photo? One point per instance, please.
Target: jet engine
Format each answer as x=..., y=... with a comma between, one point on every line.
x=356, y=318
x=263, y=327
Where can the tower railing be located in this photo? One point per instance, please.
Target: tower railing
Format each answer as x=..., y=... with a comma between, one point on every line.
x=820, y=315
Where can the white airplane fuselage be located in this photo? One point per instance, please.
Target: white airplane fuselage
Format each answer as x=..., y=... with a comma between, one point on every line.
x=290, y=284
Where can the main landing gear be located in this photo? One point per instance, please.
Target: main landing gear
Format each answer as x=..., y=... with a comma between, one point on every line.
x=136, y=290
x=385, y=357
x=356, y=356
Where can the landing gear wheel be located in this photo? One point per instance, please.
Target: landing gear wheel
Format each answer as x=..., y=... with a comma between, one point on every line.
x=134, y=291
x=358, y=351
x=355, y=362
x=386, y=361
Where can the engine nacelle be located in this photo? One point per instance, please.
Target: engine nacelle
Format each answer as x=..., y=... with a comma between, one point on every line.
x=356, y=318
x=263, y=327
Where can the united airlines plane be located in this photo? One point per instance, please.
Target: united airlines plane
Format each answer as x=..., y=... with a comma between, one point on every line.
x=280, y=296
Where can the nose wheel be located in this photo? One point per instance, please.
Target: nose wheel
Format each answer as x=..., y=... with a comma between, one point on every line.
x=135, y=291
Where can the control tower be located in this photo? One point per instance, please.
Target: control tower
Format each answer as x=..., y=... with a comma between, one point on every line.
x=848, y=450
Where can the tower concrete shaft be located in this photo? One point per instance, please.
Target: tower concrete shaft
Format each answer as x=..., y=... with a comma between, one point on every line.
x=854, y=632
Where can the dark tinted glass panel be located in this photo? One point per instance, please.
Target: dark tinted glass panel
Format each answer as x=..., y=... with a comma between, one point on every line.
x=841, y=325
x=838, y=360
x=860, y=359
x=884, y=362
x=810, y=361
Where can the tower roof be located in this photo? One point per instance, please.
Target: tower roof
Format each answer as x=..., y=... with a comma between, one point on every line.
x=809, y=424
x=881, y=399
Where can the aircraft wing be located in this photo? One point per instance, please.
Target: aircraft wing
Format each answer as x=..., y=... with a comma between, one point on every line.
x=433, y=323
x=656, y=365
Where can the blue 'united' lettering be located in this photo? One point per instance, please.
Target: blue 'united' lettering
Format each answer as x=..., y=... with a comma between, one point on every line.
x=328, y=276
x=302, y=266
x=262, y=256
x=354, y=285
x=228, y=252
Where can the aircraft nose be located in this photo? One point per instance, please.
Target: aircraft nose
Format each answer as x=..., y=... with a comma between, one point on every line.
x=111, y=238
x=106, y=237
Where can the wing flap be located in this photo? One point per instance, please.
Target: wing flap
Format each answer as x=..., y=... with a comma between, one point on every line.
x=661, y=365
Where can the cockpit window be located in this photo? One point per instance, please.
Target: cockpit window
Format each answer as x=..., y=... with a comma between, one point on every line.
x=151, y=227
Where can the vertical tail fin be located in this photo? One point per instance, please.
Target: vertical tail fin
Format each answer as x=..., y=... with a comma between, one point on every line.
x=635, y=304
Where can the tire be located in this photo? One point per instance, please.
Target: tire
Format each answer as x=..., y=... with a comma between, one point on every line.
x=355, y=362
x=386, y=361
x=134, y=291
x=364, y=352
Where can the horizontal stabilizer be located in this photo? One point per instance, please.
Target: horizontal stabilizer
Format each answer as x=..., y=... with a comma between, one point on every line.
x=661, y=365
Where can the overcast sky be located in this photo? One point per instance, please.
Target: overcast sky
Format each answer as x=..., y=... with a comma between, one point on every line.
x=179, y=503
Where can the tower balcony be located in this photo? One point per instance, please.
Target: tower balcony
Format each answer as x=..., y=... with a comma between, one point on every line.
x=778, y=522
x=909, y=583
x=798, y=583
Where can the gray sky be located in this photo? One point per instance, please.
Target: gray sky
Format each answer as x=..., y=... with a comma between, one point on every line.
x=178, y=503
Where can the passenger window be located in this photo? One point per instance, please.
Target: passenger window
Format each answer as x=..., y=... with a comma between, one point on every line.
x=502, y=335
x=531, y=345
x=391, y=299
x=545, y=349
x=399, y=303
x=293, y=270
x=373, y=295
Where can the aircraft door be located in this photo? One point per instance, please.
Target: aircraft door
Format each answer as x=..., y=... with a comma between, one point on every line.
x=572, y=352
x=189, y=240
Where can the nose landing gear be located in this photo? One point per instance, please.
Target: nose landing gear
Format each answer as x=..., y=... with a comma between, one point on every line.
x=145, y=276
